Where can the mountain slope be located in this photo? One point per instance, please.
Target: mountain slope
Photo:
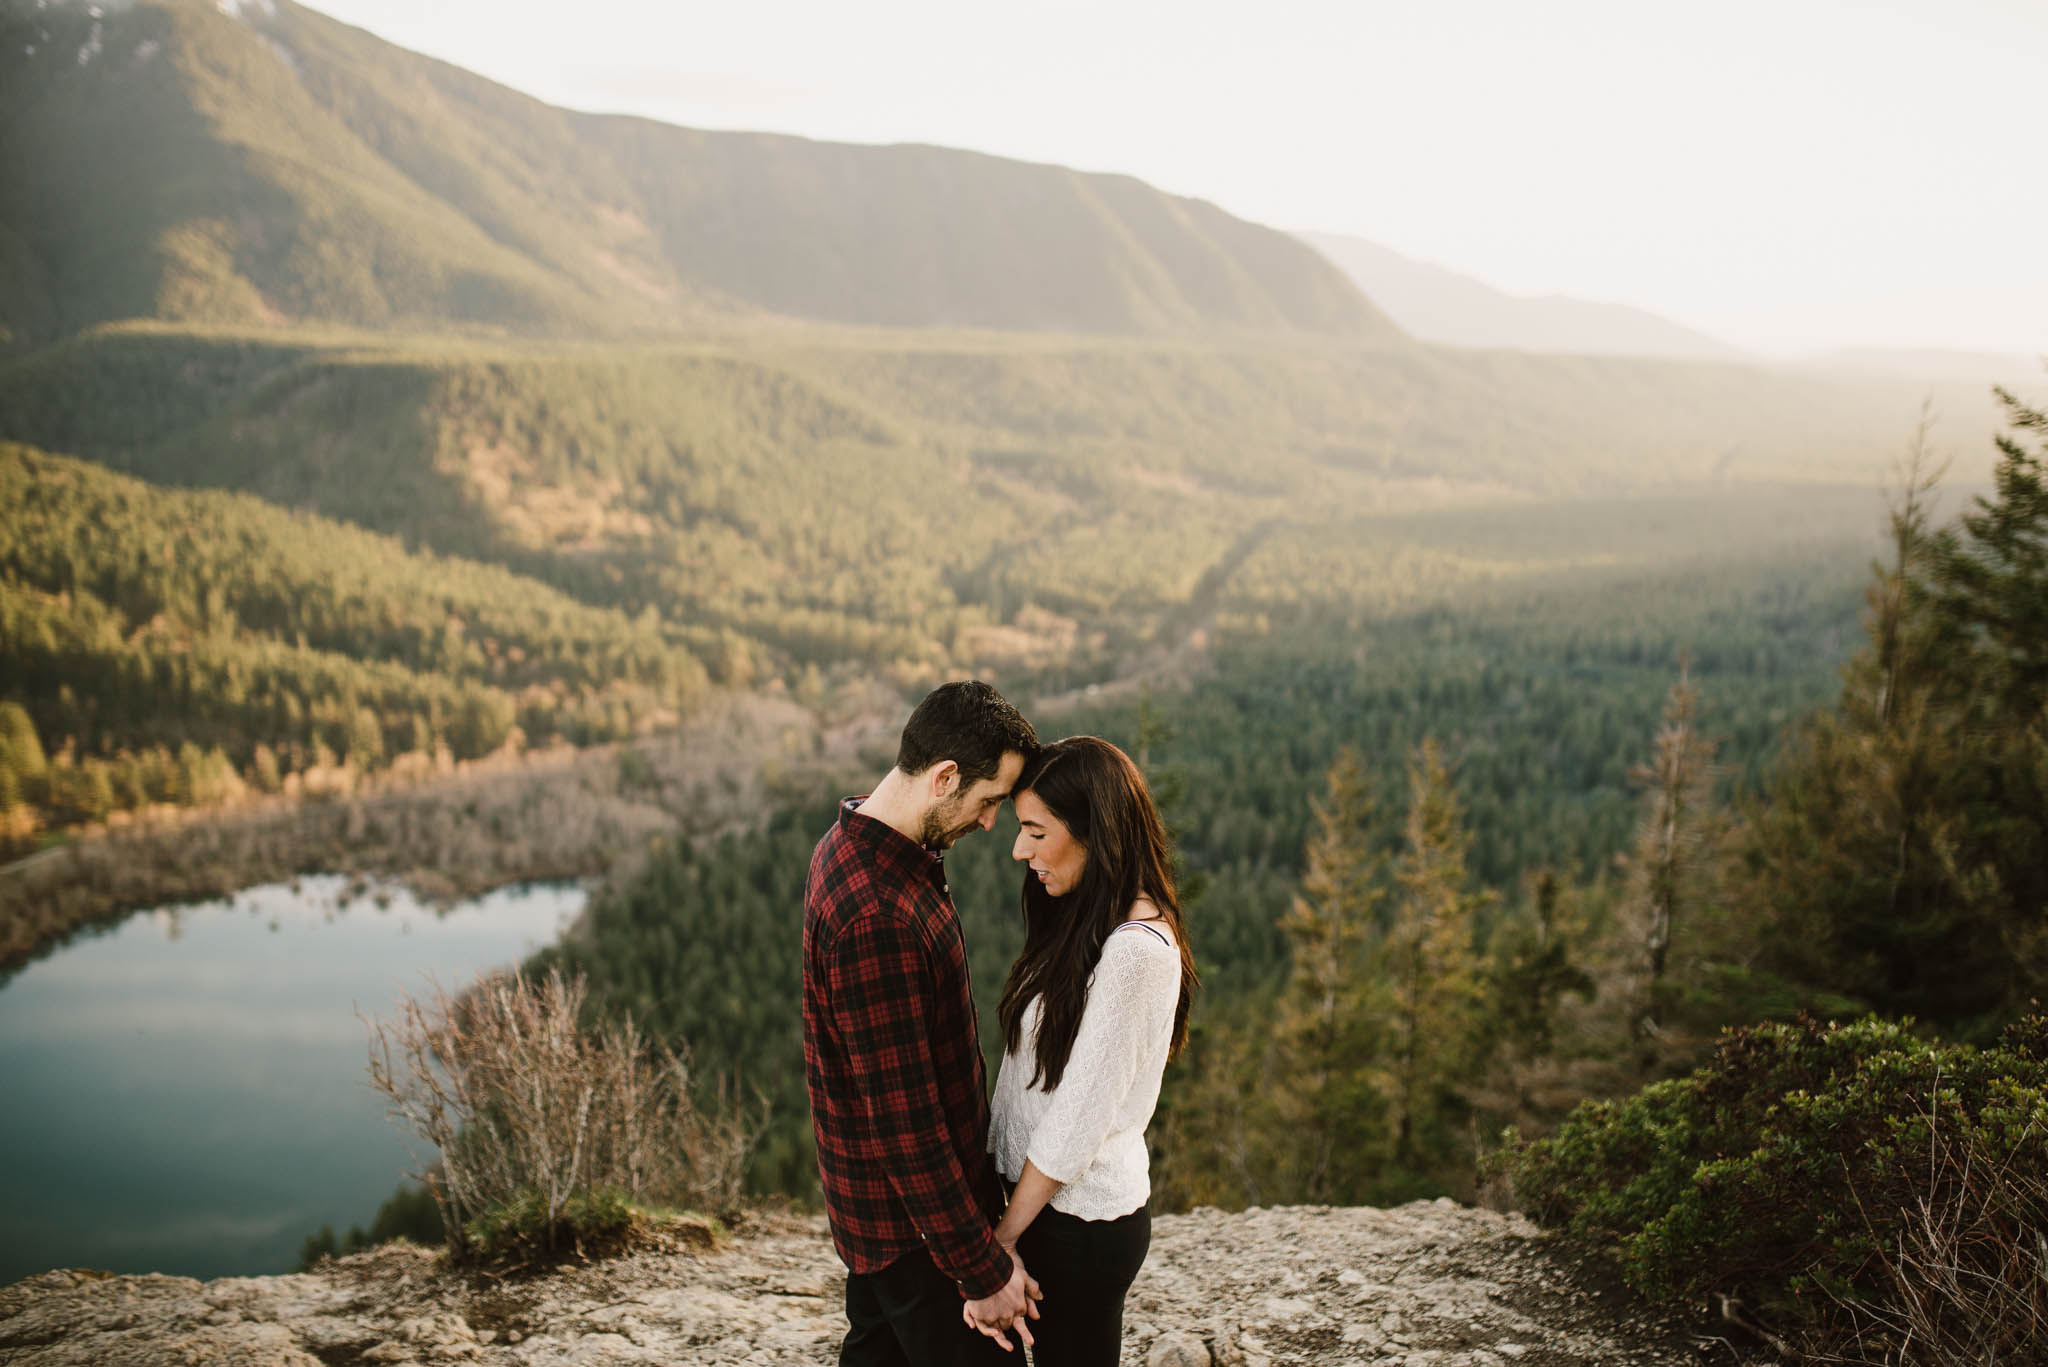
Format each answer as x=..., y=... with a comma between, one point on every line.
x=1438, y=305
x=180, y=647
x=890, y=498
x=163, y=162
x=134, y=615
x=168, y=160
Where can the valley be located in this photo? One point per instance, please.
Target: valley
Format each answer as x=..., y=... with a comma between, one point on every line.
x=406, y=481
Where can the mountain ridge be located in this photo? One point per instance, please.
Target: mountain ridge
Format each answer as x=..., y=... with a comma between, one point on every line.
x=1440, y=305
x=273, y=164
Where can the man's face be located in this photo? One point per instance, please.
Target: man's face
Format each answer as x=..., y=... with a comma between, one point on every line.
x=971, y=809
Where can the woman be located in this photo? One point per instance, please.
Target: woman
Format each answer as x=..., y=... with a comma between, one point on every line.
x=1095, y=1006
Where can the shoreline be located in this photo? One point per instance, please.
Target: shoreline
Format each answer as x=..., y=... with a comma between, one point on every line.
x=552, y=815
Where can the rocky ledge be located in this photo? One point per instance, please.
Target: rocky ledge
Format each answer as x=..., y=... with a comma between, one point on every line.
x=1428, y=1283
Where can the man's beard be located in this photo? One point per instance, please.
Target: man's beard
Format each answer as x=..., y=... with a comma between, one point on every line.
x=942, y=826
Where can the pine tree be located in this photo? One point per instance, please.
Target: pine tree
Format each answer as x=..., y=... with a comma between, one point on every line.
x=21, y=754
x=1990, y=579
x=1899, y=852
x=1537, y=956
x=1430, y=963
x=1212, y=1138
x=1989, y=599
x=1329, y=1112
x=264, y=771
x=365, y=739
x=1534, y=967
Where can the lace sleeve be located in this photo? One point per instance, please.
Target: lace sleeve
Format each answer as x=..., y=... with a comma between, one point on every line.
x=1131, y=999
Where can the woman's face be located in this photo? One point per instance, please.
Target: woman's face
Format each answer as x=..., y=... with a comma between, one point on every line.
x=1045, y=843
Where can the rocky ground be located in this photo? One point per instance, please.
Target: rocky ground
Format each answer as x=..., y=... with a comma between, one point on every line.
x=1431, y=1284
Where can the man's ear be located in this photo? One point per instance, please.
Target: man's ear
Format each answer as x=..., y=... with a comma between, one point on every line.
x=943, y=777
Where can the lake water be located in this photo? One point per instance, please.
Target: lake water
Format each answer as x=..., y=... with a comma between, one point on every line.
x=186, y=1092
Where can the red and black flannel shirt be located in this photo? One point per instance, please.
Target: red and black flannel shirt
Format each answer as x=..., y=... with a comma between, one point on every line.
x=898, y=1095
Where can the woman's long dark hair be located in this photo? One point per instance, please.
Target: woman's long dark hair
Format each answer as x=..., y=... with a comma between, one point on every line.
x=1094, y=788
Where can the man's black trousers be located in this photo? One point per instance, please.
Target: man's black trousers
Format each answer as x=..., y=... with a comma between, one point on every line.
x=908, y=1315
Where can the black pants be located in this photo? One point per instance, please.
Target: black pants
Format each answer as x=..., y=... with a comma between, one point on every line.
x=908, y=1315
x=1084, y=1267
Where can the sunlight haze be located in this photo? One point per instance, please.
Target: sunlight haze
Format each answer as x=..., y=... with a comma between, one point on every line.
x=1791, y=177
x=1530, y=518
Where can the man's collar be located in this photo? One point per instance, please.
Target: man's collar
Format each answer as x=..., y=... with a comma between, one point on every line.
x=879, y=834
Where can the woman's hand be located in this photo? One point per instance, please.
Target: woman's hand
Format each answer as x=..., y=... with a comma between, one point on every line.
x=994, y=1314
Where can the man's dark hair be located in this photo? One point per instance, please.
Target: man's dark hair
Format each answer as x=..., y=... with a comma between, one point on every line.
x=968, y=723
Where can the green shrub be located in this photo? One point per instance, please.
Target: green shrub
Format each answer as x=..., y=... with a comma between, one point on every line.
x=523, y=1223
x=1855, y=1187
x=519, y=1232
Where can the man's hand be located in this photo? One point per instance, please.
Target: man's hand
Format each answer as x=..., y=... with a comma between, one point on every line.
x=1008, y=1308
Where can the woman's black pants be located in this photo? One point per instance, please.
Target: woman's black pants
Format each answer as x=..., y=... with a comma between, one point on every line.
x=1084, y=1267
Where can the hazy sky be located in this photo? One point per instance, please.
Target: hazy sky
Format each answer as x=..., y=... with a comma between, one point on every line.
x=1787, y=174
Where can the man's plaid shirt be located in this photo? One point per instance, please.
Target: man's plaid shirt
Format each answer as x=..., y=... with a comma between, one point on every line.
x=898, y=1095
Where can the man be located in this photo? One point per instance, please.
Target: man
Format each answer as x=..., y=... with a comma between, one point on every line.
x=898, y=1096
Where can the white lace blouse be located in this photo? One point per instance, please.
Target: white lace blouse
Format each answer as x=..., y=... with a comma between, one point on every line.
x=1089, y=1132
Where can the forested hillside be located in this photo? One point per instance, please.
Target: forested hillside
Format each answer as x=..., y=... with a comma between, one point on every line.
x=900, y=502
x=756, y=508
x=256, y=163
x=759, y=499
x=1467, y=859
x=1511, y=711
x=169, y=646
x=1543, y=687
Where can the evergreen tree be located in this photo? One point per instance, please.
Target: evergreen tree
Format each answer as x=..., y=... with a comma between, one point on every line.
x=21, y=754
x=263, y=769
x=1900, y=850
x=1431, y=968
x=1989, y=599
x=1989, y=578
x=1213, y=1136
x=1536, y=959
x=1534, y=967
x=365, y=739
x=1325, y=1084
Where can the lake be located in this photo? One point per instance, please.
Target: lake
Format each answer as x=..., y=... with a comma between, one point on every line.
x=186, y=1093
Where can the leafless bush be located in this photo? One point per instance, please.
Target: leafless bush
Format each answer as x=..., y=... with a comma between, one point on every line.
x=524, y=1104
x=1965, y=1273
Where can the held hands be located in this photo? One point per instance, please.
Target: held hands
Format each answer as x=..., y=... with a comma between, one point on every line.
x=1008, y=1308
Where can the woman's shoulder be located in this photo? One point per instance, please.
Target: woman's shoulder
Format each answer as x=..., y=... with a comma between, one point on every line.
x=1143, y=928
x=1141, y=960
